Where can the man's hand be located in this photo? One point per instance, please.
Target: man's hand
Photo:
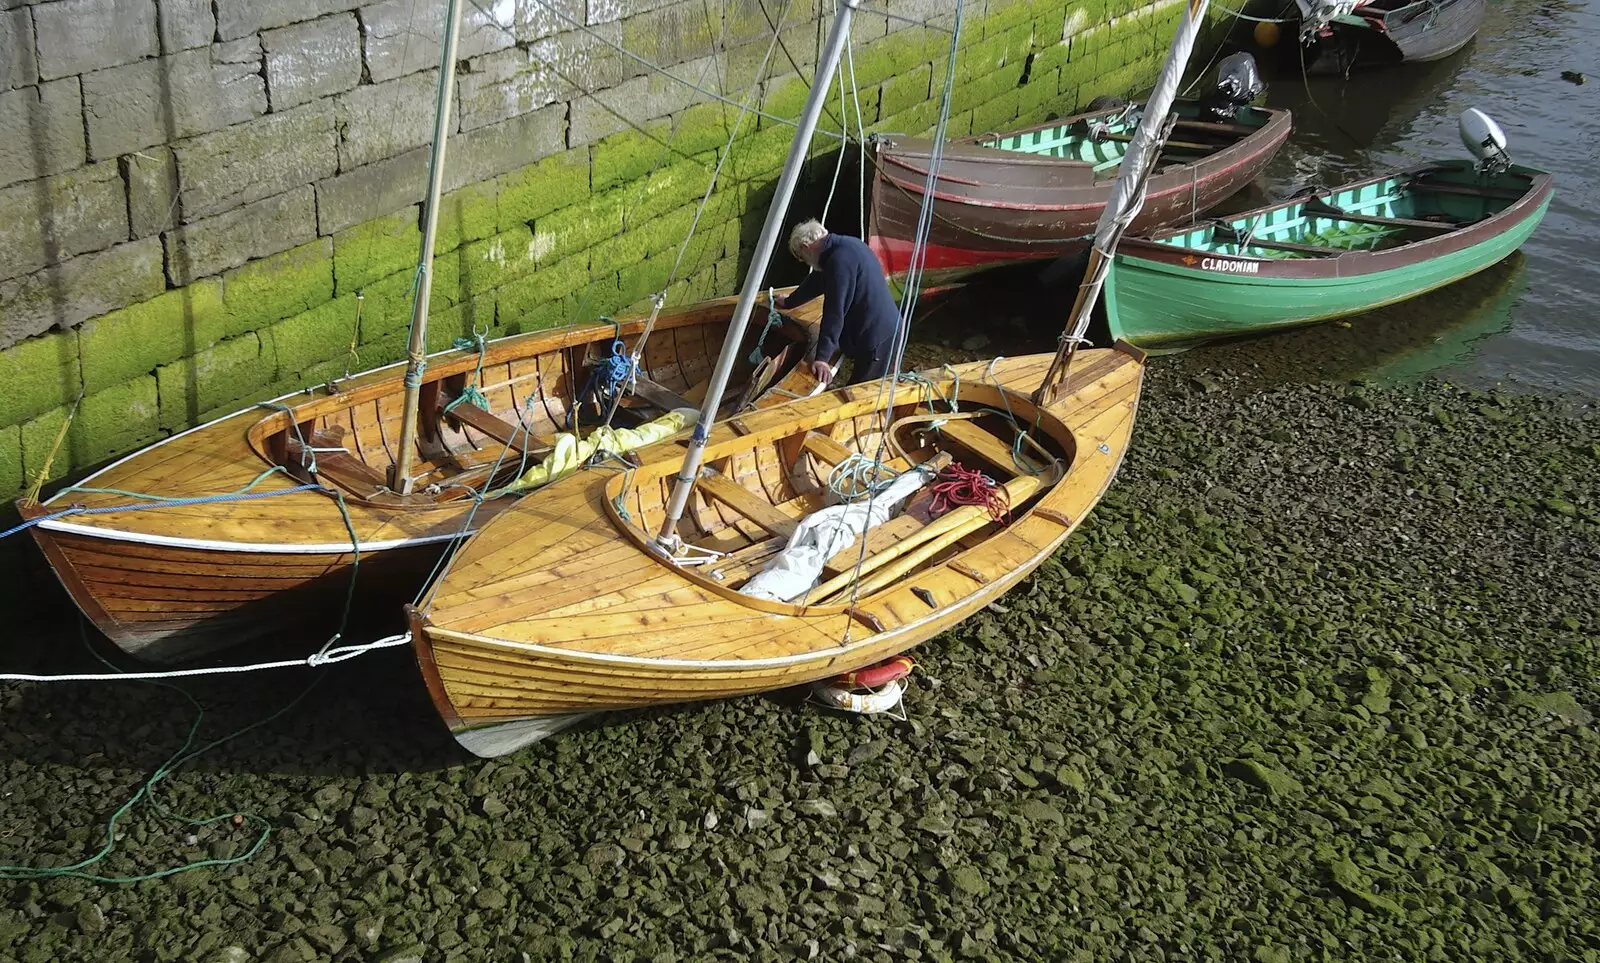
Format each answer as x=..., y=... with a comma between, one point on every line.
x=822, y=371
x=781, y=303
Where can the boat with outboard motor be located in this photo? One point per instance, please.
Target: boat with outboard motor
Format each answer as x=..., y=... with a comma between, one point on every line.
x=1327, y=253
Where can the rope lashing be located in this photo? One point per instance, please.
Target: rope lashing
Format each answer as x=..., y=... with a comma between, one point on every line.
x=955, y=486
x=773, y=320
x=472, y=393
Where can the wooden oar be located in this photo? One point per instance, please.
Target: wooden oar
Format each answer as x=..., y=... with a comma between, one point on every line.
x=964, y=519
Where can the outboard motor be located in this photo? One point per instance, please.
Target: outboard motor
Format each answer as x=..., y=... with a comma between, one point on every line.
x=1238, y=83
x=1484, y=138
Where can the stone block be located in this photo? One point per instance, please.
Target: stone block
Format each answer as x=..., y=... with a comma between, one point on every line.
x=629, y=153
x=537, y=19
x=520, y=79
x=553, y=283
x=386, y=309
x=162, y=99
x=256, y=159
x=39, y=374
x=11, y=474
x=605, y=11
x=533, y=191
x=185, y=24
x=60, y=216
x=41, y=459
x=470, y=213
x=212, y=245
x=51, y=114
x=906, y=91
x=577, y=228
x=241, y=18
x=79, y=288
x=370, y=192
x=377, y=249
x=491, y=151
x=135, y=340
x=310, y=60
x=114, y=421
x=668, y=188
x=482, y=266
x=322, y=334
x=676, y=34
x=278, y=286
x=380, y=121
x=77, y=36
x=18, y=65
x=403, y=36
x=152, y=177
x=213, y=377
x=631, y=103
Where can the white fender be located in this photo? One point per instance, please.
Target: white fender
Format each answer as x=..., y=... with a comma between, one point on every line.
x=866, y=703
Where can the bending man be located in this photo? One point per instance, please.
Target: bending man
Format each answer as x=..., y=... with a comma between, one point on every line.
x=858, y=311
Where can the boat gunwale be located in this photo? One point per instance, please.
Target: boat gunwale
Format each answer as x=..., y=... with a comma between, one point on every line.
x=366, y=389
x=1041, y=416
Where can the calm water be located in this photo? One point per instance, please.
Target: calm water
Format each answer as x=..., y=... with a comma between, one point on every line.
x=1535, y=318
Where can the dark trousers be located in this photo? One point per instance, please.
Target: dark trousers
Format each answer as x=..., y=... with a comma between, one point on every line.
x=872, y=365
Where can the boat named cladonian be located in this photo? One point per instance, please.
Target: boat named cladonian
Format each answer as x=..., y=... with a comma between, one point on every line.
x=1321, y=256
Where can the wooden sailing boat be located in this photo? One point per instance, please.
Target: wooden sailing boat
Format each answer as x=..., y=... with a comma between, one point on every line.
x=599, y=595
x=382, y=469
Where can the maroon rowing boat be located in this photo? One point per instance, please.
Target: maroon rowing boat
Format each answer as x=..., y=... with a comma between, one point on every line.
x=1037, y=193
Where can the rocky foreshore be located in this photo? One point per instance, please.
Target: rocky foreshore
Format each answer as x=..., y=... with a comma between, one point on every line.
x=1317, y=680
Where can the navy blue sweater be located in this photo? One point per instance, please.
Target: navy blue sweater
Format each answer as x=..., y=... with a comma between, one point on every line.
x=858, y=312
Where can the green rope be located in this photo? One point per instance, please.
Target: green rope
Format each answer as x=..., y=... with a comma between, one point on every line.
x=472, y=393
x=163, y=498
x=146, y=791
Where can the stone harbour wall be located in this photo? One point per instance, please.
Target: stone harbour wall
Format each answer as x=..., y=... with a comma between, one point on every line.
x=204, y=203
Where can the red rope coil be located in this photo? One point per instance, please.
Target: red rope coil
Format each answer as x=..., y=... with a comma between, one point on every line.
x=956, y=485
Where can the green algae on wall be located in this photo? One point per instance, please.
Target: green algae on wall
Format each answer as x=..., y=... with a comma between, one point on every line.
x=587, y=230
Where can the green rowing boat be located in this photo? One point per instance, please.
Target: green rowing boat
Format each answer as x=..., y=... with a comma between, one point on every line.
x=1320, y=256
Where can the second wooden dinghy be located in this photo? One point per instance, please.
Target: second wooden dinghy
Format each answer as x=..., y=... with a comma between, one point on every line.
x=1331, y=254
x=1038, y=193
x=560, y=606
x=175, y=581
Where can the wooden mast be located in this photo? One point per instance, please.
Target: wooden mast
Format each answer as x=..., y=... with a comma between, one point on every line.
x=417, y=346
x=1127, y=196
x=821, y=83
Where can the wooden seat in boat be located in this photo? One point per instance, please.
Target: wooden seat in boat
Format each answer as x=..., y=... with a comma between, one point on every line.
x=718, y=487
x=660, y=396
x=1319, y=206
x=335, y=465
x=512, y=436
x=979, y=444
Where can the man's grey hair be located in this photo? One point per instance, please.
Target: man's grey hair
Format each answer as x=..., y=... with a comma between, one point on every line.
x=804, y=233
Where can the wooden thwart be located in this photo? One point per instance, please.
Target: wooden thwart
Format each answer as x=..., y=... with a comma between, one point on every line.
x=1319, y=206
x=719, y=487
x=981, y=444
x=512, y=436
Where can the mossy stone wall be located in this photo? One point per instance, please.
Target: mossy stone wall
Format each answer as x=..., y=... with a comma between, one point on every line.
x=576, y=176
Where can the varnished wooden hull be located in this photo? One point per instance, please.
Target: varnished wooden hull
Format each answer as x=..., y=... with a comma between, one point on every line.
x=172, y=583
x=559, y=609
x=993, y=207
